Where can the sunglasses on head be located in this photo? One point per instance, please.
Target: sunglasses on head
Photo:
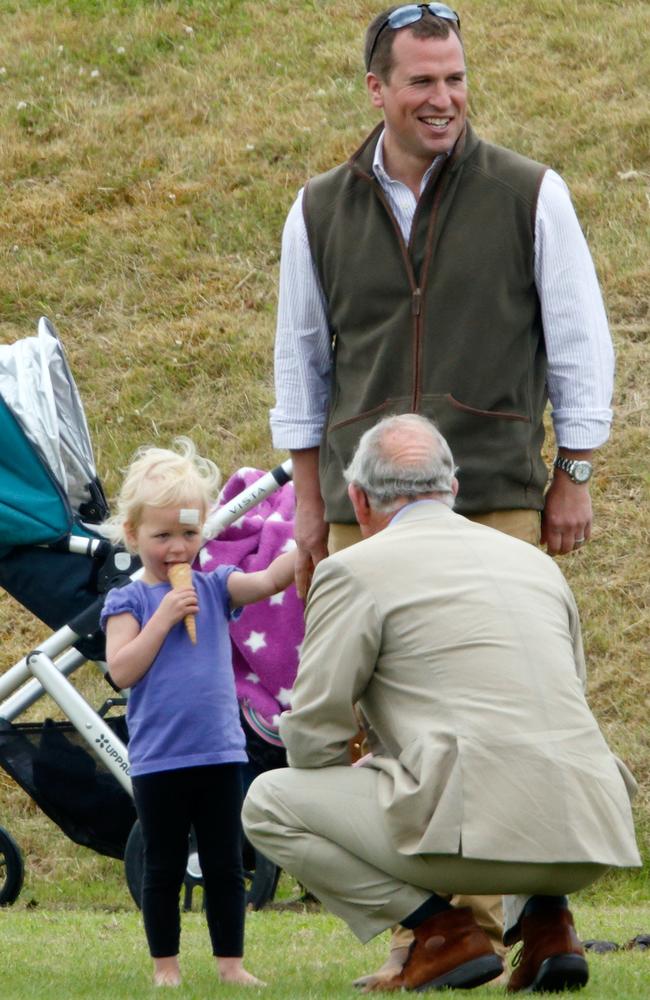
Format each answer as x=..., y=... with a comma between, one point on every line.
x=409, y=14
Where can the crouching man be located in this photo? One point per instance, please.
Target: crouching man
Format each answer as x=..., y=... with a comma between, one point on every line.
x=461, y=647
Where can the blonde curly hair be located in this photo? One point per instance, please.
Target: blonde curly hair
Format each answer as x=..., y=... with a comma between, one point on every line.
x=163, y=477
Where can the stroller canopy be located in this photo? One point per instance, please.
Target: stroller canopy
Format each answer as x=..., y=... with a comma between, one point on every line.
x=47, y=470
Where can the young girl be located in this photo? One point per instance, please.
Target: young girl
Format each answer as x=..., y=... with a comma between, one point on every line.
x=186, y=745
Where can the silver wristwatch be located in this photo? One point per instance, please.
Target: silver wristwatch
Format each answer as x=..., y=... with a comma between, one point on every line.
x=577, y=469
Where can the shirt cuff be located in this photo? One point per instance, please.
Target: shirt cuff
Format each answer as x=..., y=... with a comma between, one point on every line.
x=294, y=435
x=579, y=430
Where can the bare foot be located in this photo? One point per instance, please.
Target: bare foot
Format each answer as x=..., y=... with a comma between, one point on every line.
x=231, y=970
x=166, y=971
x=166, y=979
x=391, y=967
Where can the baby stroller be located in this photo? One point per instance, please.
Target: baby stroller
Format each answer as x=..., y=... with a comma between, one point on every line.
x=56, y=563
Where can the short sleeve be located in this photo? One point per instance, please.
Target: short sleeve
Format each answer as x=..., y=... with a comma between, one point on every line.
x=218, y=578
x=121, y=600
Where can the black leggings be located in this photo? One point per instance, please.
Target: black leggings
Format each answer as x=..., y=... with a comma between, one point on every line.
x=168, y=803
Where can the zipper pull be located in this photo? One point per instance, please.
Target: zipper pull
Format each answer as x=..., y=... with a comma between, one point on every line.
x=416, y=302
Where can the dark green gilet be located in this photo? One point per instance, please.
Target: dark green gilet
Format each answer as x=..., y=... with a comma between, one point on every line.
x=448, y=326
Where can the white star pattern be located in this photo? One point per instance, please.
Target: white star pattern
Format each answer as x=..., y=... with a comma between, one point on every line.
x=284, y=696
x=289, y=545
x=253, y=678
x=276, y=720
x=275, y=516
x=204, y=556
x=277, y=598
x=255, y=641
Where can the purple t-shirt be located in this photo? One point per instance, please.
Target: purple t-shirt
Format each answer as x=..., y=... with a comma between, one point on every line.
x=183, y=712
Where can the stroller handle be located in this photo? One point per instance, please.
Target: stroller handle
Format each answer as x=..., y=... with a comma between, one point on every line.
x=254, y=494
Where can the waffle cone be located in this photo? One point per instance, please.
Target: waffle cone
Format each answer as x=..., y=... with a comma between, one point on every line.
x=180, y=575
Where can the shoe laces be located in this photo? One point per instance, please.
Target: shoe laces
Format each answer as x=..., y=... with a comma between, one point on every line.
x=517, y=957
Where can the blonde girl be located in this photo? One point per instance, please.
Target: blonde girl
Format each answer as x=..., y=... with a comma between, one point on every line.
x=186, y=745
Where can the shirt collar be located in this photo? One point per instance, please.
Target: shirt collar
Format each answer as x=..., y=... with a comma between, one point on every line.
x=409, y=506
x=384, y=177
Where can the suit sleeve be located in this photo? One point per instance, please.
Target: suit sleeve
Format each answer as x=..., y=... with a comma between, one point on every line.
x=338, y=657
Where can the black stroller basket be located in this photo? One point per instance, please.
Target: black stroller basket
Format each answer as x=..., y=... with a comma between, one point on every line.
x=69, y=784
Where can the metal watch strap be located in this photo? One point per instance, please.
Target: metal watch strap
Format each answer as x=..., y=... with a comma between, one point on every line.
x=568, y=465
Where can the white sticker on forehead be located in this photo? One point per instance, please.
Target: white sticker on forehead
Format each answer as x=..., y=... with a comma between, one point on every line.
x=189, y=515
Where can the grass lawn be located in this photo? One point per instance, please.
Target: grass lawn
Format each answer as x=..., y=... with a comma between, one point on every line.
x=75, y=954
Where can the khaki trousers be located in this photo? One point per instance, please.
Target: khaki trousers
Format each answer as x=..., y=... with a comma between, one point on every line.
x=523, y=524
x=325, y=826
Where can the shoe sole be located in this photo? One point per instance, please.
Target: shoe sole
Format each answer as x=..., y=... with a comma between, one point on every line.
x=560, y=973
x=466, y=976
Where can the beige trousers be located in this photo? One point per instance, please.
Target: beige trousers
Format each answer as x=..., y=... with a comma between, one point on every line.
x=523, y=524
x=325, y=827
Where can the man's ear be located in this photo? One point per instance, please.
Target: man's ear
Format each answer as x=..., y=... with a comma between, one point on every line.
x=375, y=90
x=360, y=503
x=454, y=486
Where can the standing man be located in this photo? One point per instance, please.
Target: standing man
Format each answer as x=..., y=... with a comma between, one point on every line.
x=436, y=273
x=462, y=648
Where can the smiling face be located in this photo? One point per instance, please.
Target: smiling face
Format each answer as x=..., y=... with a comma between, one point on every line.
x=424, y=102
x=161, y=539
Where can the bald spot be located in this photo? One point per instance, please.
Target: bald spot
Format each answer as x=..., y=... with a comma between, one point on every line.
x=410, y=446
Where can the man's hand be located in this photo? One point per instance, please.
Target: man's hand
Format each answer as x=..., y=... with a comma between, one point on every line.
x=310, y=531
x=567, y=515
x=310, y=528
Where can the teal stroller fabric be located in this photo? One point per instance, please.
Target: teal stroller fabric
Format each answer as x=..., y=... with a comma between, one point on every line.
x=33, y=509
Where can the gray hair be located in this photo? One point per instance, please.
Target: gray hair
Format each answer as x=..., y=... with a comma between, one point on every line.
x=386, y=480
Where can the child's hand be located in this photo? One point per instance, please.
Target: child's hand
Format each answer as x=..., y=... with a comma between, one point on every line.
x=177, y=604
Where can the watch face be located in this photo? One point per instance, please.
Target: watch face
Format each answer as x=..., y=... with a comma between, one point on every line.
x=581, y=472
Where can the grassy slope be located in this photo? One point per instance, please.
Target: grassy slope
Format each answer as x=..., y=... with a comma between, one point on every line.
x=149, y=152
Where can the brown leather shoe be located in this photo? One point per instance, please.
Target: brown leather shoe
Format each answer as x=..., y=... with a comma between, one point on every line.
x=450, y=951
x=551, y=959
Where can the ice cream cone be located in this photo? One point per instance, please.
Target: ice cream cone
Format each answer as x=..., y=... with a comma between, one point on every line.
x=180, y=575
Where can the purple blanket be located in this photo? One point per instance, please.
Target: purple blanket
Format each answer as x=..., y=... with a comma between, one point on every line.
x=266, y=637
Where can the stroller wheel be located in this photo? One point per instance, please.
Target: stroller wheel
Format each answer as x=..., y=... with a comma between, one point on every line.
x=12, y=869
x=261, y=878
x=134, y=863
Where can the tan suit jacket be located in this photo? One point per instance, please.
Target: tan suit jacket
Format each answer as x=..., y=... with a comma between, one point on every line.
x=462, y=648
